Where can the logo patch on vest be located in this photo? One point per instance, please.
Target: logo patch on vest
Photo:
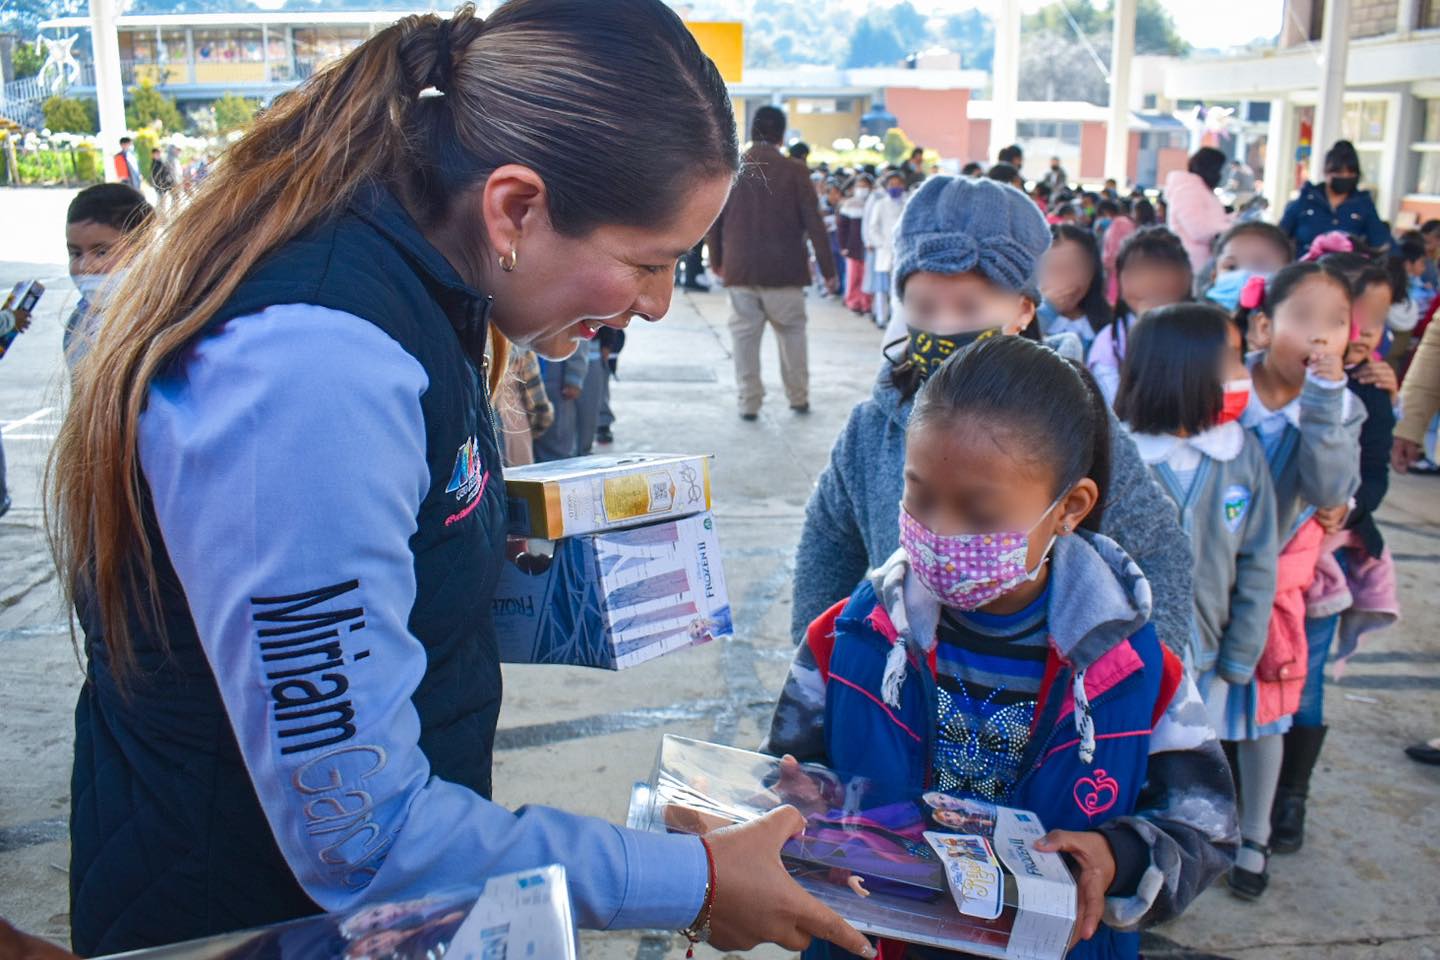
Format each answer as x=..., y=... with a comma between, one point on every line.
x=1236, y=505
x=1096, y=794
x=468, y=480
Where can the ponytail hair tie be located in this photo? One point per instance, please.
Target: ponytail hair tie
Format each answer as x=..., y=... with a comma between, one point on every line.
x=1253, y=293
x=444, y=59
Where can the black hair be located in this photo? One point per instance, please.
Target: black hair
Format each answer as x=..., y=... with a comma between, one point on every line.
x=1003, y=172
x=1342, y=156
x=1096, y=307
x=1051, y=403
x=768, y=124
x=1170, y=381
x=1207, y=164
x=919, y=150
x=1153, y=244
x=1399, y=278
x=1429, y=227
x=1144, y=213
x=1042, y=189
x=1108, y=206
x=1411, y=250
x=972, y=169
x=116, y=205
x=1361, y=272
x=799, y=150
x=1258, y=228
x=125, y=140
x=1279, y=287
x=1011, y=155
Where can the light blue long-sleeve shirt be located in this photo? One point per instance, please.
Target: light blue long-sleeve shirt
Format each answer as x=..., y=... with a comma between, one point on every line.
x=288, y=449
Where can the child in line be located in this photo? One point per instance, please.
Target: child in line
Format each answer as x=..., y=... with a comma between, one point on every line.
x=1153, y=270
x=880, y=222
x=1183, y=390
x=1003, y=653
x=1355, y=582
x=1072, y=285
x=967, y=251
x=852, y=244
x=96, y=224
x=1309, y=426
x=1246, y=249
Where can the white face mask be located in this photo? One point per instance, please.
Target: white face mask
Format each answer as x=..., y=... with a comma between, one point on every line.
x=861, y=193
x=90, y=284
x=94, y=287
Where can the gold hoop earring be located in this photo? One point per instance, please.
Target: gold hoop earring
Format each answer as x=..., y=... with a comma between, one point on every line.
x=509, y=261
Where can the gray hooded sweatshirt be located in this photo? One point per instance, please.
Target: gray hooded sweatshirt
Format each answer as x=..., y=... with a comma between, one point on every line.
x=1228, y=510
x=852, y=523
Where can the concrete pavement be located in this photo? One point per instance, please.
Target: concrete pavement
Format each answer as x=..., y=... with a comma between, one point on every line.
x=1363, y=887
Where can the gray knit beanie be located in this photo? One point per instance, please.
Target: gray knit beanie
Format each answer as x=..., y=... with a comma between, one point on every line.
x=960, y=225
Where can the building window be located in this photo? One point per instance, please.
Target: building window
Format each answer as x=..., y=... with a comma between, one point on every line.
x=228, y=46
x=1427, y=149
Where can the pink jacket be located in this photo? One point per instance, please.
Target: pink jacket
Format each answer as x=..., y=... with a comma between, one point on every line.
x=1363, y=592
x=1115, y=235
x=1280, y=674
x=1196, y=215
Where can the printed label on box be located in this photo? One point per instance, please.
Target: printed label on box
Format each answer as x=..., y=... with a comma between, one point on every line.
x=972, y=871
x=1043, y=882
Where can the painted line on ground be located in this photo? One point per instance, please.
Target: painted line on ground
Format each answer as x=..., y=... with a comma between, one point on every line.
x=11, y=425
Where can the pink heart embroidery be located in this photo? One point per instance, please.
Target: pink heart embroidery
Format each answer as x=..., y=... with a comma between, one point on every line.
x=1095, y=795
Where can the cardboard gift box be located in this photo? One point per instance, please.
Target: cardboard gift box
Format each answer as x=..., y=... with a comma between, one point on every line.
x=566, y=498
x=614, y=599
x=936, y=869
x=526, y=914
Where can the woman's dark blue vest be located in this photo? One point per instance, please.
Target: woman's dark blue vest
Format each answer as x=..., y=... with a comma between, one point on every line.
x=168, y=839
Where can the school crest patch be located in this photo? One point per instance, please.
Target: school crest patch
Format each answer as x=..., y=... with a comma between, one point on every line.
x=1236, y=505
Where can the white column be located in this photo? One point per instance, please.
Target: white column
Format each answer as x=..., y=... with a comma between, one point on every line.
x=1005, y=78
x=265, y=50
x=1280, y=141
x=1407, y=16
x=1117, y=127
x=1395, y=175
x=109, y=90
x=1329, y=109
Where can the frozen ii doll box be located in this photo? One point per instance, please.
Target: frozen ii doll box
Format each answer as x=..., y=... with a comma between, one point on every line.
x=615, y=599
x=526, y=914
x=935, y=870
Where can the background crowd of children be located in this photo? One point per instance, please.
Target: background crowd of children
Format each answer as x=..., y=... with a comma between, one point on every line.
x=1250, y=387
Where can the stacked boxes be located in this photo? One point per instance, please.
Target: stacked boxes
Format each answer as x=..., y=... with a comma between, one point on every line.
x=614, y=561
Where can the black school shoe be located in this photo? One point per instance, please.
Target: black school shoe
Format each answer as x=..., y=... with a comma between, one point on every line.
x=1424, y=753
x=604, y=436
x=1246, y=884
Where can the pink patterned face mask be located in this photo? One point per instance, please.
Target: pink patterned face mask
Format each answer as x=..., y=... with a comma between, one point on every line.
x=968, y=570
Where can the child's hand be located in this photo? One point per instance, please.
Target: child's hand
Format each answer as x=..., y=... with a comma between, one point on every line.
x=1403, y=454
x=1380, y=374
x=1326, y=366
x=1332, y=519
x=1095, y=871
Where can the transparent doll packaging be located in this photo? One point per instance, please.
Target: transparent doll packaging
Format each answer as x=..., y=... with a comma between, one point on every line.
x=935, y=870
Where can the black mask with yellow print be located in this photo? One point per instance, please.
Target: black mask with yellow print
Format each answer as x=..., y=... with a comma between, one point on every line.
x=928, y=350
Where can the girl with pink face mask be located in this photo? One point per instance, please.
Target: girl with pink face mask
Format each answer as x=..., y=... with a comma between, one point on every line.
x=1004, y=652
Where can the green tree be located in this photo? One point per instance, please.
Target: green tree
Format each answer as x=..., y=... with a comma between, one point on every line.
x=874, y=45
x=972, y=35
x=234, y=112
x=25, y=60
x=146, y=105
x=70, y=115
x=897, y=145
x=1154, y=28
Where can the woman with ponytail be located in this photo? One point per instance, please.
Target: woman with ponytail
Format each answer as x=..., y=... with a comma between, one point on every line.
x=277, y=501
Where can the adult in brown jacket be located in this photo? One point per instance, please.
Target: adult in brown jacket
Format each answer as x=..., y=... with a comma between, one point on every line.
x=757, y=248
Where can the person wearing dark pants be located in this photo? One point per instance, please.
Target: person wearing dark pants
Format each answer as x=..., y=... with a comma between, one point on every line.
x=564, y=383
x=692, y=266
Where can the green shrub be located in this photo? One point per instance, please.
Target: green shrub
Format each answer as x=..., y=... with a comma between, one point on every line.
x=145, y=105
x=146, y=139
x=234, y=113
x=67, y=115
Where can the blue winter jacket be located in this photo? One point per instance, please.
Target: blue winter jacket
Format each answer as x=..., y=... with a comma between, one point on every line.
x=1121, y=743
x=1310, y=214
